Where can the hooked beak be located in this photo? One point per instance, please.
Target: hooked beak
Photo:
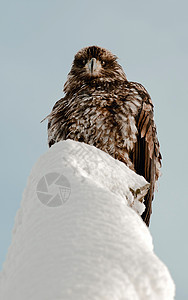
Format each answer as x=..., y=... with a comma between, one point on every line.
x=94, y=66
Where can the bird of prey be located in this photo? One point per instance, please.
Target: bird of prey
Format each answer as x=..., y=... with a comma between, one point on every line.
x=102, y=108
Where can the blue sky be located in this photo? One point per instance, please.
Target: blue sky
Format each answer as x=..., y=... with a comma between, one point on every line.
x=38, y=42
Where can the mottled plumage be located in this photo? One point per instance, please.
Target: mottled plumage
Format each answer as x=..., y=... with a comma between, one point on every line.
x=102, y=108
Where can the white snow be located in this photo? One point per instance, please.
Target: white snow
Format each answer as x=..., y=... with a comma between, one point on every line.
x=83, y=241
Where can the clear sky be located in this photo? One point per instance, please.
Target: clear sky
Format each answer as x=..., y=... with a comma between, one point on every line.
x=38, y=42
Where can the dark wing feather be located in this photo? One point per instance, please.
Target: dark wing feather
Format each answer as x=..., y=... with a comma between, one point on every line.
x=55, y=119
x=146, y=154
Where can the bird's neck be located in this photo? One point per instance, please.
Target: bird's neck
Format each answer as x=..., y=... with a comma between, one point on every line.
x=73, y=86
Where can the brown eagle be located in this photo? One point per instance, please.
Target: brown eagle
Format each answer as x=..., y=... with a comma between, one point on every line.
x=102, y=108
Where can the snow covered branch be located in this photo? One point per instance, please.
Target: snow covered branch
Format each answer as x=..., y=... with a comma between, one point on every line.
x=78, y=233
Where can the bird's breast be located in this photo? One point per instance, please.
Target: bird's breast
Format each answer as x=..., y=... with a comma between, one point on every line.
x=105, y=122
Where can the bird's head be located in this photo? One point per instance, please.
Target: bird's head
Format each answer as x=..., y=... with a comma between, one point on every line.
x=94, y=64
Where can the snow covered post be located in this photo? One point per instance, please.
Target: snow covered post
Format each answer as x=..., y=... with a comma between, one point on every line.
x=77, y=235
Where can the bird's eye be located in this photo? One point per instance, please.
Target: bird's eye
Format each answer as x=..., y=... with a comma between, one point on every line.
x=83, y=61
x=103, y=63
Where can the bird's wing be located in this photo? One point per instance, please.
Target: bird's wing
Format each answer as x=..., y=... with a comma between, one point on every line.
x=55, y=119
x=146, y=153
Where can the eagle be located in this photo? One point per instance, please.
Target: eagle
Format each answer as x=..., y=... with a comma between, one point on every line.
x=102, y=108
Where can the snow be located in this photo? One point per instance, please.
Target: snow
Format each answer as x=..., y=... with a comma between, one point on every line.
x=78, y=233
